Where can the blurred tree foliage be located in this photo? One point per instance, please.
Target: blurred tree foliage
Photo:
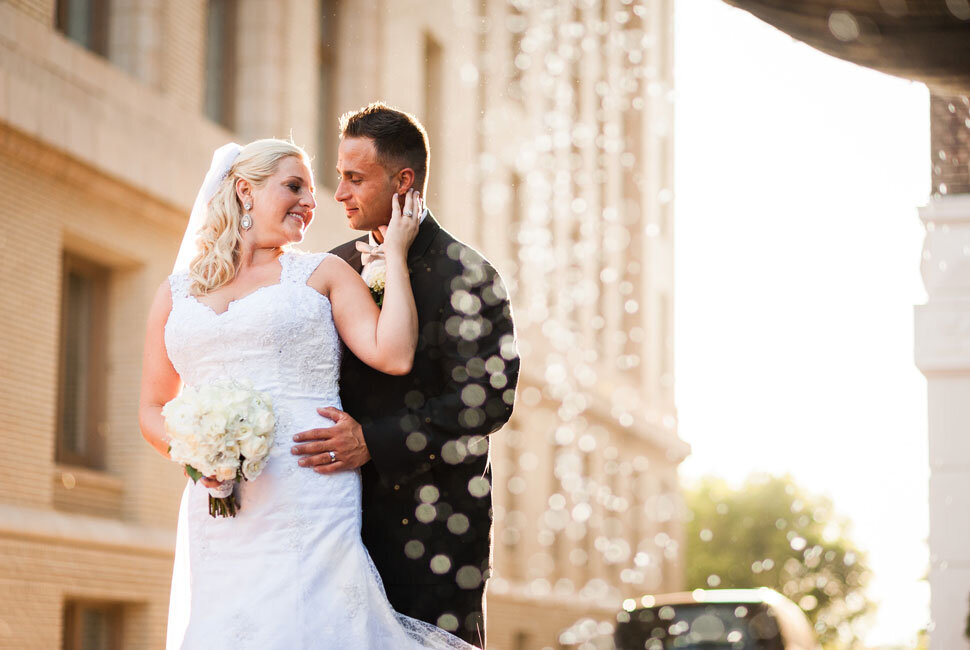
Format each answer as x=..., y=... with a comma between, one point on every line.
x=966, y=632
x=770, y=533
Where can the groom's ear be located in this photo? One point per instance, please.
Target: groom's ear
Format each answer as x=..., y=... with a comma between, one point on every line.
x=405, y=180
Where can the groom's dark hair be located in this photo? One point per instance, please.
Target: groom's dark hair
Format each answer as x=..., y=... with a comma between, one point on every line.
x=399, y=138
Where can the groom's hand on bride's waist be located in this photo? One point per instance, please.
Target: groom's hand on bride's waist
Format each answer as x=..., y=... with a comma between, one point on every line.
x=331, y=449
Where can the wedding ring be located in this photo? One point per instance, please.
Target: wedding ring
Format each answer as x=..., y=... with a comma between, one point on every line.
x=333, y=457
x=408, y=213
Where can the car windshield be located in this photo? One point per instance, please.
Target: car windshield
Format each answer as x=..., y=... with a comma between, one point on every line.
x=709, y=626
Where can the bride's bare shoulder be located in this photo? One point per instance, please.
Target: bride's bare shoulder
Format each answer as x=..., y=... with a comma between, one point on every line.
x=162, y=302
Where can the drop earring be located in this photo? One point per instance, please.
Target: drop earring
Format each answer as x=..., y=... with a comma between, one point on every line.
x=246, y=222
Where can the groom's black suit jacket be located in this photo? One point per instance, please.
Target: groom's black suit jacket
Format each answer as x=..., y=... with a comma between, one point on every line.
x=426, y=492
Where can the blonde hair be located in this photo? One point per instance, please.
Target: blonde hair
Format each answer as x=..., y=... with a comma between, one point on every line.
x=220, y=237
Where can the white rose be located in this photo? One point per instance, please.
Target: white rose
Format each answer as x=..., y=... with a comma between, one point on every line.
x=254, y=447
x=251, y=468
x=226, y=469
x=243, y=429
x=264, y=421
x=232, y=447
x=213, y=425
x=375, y=274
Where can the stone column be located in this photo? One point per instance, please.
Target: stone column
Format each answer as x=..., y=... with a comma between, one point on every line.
x=943, y=356
x=942, y=330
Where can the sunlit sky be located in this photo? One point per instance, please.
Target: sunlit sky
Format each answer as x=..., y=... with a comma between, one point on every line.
x=797, y=268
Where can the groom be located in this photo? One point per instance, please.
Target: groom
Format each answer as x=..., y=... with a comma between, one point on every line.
x=420, y=440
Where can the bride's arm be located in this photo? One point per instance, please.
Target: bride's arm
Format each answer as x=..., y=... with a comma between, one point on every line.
x=385, y=338
x=159, y=380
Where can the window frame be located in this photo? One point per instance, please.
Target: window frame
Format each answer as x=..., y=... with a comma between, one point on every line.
x=98, y=33
x=73, y=626
x=222, y=110
x=94, y=375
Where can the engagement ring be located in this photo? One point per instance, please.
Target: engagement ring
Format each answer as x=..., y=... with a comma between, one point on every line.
x=408, y=213
x=333, y=457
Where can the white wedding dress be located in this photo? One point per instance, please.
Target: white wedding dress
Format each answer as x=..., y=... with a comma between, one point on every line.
x=289, y=571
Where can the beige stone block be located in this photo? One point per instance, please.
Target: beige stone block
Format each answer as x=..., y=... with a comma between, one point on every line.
x=135, y=98
x=4, y=92
x=115, y=81
x=46, y=9
x=155, y=166
x=29, y=34
x=24, y=103
x=80, y=121
x=8, y=17
x=54, y=112
x=58, y=52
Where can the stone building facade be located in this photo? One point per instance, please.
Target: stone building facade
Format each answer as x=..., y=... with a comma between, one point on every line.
x=551, y=134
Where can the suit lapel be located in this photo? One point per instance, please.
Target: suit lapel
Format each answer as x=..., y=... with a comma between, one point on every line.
x=429, y=228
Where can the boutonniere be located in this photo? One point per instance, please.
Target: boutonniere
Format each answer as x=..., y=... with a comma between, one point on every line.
x=375, y=275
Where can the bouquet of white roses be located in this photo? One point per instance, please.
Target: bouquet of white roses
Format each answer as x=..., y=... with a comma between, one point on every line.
x=222, y=430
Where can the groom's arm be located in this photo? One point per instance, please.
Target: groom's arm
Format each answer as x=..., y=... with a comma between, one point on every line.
x=479, y=365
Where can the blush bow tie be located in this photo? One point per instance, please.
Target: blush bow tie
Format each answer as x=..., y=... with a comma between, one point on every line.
x=369, y=253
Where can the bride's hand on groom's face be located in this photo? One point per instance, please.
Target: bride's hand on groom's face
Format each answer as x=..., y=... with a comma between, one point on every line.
x=404, y=224
x=345, y=439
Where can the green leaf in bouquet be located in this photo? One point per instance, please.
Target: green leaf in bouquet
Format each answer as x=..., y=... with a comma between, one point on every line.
x=378, y=296
x=193, y=473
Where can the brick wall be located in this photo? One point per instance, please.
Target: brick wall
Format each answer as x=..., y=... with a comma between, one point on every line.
x=39, y=10
x=37, y=576
x=183, y=52
x=54, y=202
x=29, y=326
x=950, y=143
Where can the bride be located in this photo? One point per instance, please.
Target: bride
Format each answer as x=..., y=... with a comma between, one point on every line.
x=290, y=570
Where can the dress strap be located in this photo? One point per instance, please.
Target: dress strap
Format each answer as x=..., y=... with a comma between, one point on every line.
x=299, y=266
x=179, y=284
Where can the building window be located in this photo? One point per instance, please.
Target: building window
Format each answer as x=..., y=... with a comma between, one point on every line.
x=85, y=22
x=82, y=363
x=92, y=626
x=220, y=62
x=327, y=127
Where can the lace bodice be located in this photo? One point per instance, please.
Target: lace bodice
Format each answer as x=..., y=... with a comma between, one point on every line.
x=280, y=337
